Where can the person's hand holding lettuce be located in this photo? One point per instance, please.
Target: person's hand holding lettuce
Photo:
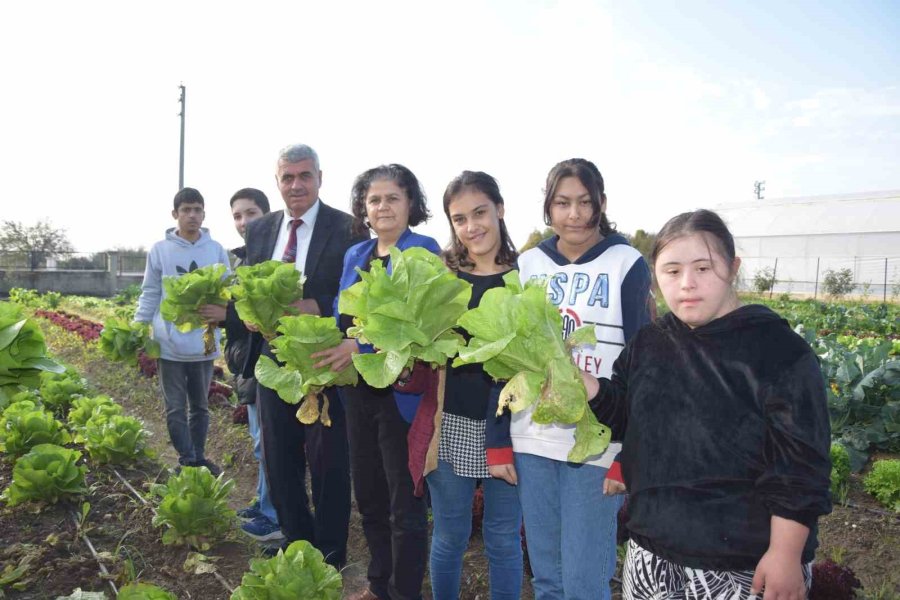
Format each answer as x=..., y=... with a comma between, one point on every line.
x=185, y=295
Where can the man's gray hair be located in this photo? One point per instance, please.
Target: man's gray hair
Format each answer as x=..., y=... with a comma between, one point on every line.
x=298, y=152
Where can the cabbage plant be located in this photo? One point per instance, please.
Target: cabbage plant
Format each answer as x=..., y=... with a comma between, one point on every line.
x=194, y=508
x=58, y=390
x=114, y=439
x=298, y=572
x=24, y=426
x=48, y=473
x=85, y=407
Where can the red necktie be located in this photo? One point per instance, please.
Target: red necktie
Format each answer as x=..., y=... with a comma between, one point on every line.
x=290, y=251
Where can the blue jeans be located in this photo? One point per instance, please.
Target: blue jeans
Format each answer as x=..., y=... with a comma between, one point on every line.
x=262, y=488
x=185, y=388
x=451, y=507
x=570, y=528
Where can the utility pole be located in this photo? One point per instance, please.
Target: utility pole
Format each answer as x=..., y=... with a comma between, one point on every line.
x=181, y=154
x=758, y=187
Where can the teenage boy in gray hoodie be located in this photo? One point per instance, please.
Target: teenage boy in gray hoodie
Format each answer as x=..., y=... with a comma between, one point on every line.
x=185, y=371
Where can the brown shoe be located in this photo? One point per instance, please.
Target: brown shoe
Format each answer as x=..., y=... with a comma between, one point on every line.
x=363, y=594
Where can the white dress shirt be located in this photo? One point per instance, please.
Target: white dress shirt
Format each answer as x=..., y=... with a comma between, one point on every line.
x=304, y=235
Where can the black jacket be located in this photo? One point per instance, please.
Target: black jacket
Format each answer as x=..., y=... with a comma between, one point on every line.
x=724, y=426
x=331, y=238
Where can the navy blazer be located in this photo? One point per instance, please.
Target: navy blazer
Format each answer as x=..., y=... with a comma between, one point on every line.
x=331, y=237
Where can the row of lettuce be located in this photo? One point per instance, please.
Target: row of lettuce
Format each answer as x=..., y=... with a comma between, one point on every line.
x=49, y=413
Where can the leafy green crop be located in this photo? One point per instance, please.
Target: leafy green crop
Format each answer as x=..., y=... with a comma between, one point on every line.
x=194, y=507
x=407, y=315
x=86, y=407
x=883, y=482
x=265, y=292
x=840, y=471
x=298, y=572
x=144, y=591
x=517, y=334
x=59, y=389
x=23, y=426
x=121, y=340
x=114, y=439
x=48, y=472
x=185, y=295
x=298, y=381
x=23, y=354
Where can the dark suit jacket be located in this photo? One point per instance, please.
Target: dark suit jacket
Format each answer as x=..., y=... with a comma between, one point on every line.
x=330, y=240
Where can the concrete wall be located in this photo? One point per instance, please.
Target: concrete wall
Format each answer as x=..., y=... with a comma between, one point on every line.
x=81, y=283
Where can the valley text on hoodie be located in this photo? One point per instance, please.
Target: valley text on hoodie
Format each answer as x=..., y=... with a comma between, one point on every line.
x=725, y=425
x=606, y=288
x=175, y=256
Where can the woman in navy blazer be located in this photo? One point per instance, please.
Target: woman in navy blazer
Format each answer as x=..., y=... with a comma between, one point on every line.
x=387, y=200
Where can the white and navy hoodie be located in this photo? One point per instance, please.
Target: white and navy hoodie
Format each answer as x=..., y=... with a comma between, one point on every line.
x=175, y=256
x=607, y=287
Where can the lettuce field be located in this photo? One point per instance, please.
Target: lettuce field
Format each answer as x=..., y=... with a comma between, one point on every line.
x=89, y=502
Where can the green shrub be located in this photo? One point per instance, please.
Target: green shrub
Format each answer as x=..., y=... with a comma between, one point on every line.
x=49, y=473
x=194, y=508
x=838, y=283
x=298, y=572
x=883, y=482
x=840, y=471
x=764, y=280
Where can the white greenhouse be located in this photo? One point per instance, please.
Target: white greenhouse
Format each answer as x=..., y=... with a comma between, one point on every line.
x=801, y=239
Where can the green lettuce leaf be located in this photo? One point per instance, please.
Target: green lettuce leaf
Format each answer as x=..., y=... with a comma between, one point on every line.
x=121, y=340
x=194, y=508
x=23, y=354
x=409, y=314
x=265, y=292
x=113, y=438
x=49, y=473
x=517, y=336
x=298, y=572
x=185, y=294
x=298, y=380
x=144, y=591
x=24, y=426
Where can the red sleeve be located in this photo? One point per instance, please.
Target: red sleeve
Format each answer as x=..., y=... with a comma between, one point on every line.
x=499, y=456
x=615, y=472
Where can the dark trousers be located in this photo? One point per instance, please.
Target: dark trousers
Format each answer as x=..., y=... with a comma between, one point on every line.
x=394, y=521
x=288, y=446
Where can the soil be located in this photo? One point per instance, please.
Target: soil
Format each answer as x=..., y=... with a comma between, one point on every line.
x=45, y=540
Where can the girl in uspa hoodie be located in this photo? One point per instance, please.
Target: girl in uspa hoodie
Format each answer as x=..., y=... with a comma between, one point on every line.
x=596, y=279
x=726, y=433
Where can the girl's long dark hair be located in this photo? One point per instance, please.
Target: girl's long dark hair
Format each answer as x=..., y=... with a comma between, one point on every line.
x=457, y=255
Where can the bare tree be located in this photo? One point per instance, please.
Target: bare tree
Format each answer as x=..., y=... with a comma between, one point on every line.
x=39, y=242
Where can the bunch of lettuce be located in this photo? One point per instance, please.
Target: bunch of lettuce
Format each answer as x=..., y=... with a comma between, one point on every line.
x=298, y=381
x=23, y=354
x=86, y=407
x=144, y=591
x=408, y=315
x=58, y=390
x=114, y=438
x=194, y=508
x=48, y=472
x=24, y=426
x=883, y=482
x=265, y=292
x=298, y=572
x=185, y=294
x=517, y=335
x=121, y=340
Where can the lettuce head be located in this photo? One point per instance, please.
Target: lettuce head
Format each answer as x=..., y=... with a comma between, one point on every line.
x=407, y=315
x=265, y=292
x=23, y=354
x=185, y=294
x=517, y=336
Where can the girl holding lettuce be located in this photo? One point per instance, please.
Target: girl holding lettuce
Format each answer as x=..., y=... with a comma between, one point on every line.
x=387, y=200
x=596, y=279
x=457, y=448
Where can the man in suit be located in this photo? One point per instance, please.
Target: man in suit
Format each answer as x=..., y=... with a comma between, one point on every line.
x=314, y=237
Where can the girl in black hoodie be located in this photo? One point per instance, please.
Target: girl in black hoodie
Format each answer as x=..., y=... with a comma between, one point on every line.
x=726, y=433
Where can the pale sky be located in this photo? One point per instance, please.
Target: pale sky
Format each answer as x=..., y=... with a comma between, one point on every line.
x=681, y=105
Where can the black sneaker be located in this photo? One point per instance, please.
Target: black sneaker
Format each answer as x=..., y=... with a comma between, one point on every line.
x=215, y=469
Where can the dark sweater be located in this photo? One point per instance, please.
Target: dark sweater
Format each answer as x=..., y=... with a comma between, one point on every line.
x=724, y=426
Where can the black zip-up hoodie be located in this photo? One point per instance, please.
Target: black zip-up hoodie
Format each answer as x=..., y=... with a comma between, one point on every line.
x=724, y=426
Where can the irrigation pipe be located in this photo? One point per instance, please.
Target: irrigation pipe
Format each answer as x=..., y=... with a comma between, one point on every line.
x=87, y=541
